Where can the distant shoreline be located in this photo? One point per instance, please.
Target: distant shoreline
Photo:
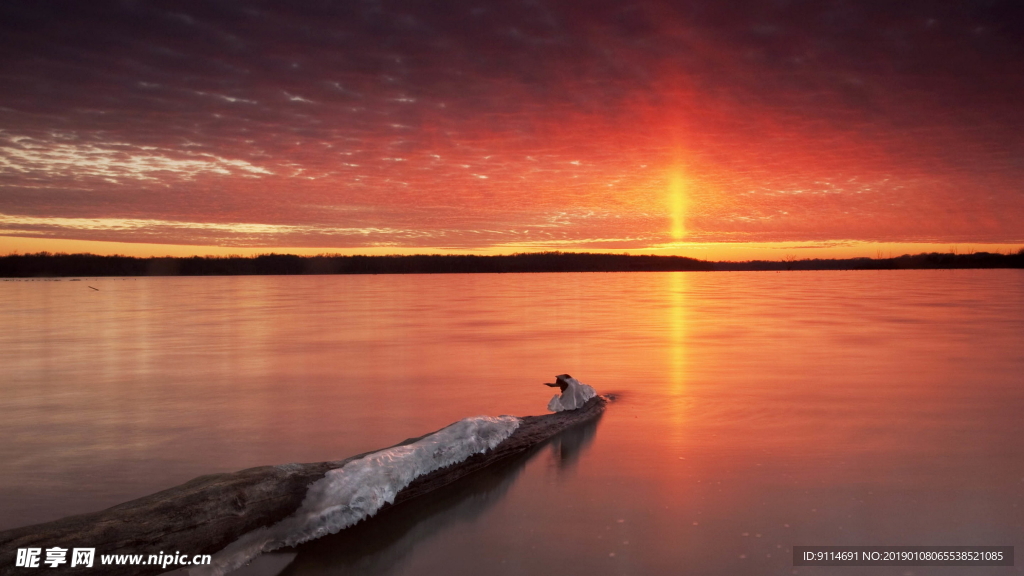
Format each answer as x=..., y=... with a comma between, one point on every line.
x=46, y=265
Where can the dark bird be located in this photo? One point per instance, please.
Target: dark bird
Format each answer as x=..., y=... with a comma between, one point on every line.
x=561, y=382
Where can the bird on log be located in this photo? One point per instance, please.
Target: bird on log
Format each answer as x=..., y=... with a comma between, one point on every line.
x=574, y=393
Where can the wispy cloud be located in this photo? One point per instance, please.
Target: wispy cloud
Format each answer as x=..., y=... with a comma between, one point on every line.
x=112, y=161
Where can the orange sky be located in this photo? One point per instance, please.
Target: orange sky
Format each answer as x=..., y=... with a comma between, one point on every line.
x=727, y=131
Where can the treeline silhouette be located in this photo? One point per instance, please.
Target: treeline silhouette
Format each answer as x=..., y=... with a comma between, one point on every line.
x=933, y=260
x=44, y=264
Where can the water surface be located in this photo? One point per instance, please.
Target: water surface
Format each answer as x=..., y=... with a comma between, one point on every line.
x=756, y=411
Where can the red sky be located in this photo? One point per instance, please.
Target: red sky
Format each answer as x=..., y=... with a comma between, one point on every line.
x=712, y=129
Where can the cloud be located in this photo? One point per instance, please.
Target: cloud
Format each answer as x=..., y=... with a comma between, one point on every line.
x=443, y=122
x=112, y=161
x=231, y=233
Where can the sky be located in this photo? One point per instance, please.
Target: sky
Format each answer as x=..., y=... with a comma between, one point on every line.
x=726, y=129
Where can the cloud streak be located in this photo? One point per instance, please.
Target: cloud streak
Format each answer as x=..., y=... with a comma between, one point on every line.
x=57, y=158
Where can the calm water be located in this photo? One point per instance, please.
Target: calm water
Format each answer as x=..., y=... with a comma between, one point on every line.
x=757, y=411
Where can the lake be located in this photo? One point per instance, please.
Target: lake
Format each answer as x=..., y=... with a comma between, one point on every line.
x=755, y=411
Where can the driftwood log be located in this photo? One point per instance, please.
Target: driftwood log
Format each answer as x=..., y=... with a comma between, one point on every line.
x=207, y=513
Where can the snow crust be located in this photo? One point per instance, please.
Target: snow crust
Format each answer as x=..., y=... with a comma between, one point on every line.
x=361, y=487
x=575, y=396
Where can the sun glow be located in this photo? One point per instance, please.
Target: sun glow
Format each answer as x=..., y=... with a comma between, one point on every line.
x=677, y=204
